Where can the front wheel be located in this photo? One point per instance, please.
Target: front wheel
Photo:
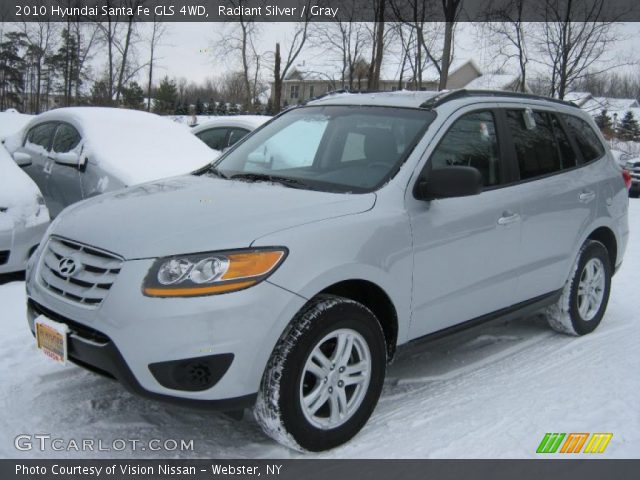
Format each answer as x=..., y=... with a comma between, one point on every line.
x=586, y=293
x=324, y=377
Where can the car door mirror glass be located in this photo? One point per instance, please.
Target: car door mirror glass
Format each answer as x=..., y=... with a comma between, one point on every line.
x=23, y=159
x=447, y=182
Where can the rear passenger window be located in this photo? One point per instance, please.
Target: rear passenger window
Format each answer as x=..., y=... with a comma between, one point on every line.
x=587, y=140
x=567, y=153
x=67, y=138
x=471, y=142
x=535, y=144
x=41, y=135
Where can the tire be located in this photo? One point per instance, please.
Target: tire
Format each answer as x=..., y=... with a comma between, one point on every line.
x=291, y=375
x=584, y=299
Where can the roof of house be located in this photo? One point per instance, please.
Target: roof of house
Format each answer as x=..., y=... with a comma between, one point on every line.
x=493, y=81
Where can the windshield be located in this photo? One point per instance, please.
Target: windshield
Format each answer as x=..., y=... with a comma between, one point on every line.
x=332, y=148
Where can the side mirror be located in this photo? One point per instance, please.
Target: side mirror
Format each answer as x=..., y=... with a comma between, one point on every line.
x=70, y=159
x=447, y=182
x=23, y=159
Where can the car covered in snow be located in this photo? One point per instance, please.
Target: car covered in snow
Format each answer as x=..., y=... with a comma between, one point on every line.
x=286, y=284
x=223, y=132
x=79, y=152
x=23, y=215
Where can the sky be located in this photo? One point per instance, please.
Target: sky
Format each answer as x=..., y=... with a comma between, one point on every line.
x=188, y=49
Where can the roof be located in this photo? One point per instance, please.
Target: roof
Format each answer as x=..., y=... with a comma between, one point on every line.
x=492, y=81
x=426, y=99
x=579, y=98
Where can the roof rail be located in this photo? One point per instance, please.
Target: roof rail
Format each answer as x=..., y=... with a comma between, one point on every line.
x=448, y=96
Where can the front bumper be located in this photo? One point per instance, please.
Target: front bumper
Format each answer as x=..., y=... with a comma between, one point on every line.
x=138, y=332
x=17, y=243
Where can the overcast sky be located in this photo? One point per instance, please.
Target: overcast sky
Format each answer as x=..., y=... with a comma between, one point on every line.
x=188, y=49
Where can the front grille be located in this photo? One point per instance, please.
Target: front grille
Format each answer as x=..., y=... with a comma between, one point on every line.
x=4, y=257
x=91, y=278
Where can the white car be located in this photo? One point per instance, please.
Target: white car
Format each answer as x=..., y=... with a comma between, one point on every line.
x=80, y=152
x=23, y=216
x=223, y=132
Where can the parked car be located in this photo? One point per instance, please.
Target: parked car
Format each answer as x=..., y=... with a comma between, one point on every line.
x=288, y=289
x=79, y=152
x=223, y=132
x=23, y=216
x=632, y=166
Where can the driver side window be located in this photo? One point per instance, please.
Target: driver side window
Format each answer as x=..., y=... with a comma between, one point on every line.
x=471, y=142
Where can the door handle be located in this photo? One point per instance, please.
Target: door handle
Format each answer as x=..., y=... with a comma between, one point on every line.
x=587, y=196
x=508, y=218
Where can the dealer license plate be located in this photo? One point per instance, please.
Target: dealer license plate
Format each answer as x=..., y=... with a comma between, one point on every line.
x=51, y=338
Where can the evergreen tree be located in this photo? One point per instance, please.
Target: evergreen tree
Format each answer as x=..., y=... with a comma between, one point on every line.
x=166, y=97
x=199, y=107
x=629, y=128
x=603, y=121
x=222, y=108
x=100, y=96
x=12, y=67
x=133, y=96
x=211, y=107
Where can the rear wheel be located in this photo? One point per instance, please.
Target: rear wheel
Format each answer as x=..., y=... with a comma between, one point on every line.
x=324, y=377
x=586, y=294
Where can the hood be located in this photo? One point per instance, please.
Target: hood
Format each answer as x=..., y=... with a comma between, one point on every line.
x=196, y=214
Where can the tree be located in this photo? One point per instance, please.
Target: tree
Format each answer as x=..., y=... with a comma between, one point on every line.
x=569, y=50
x=158, y=30
x=199, y=107
x=166, y=96
x=603, y=121
x=506, y=23
x=238, y=39
x=100, y=93
x=629, y=129
x=11, y=68
x=133, y=96
x=280, y=70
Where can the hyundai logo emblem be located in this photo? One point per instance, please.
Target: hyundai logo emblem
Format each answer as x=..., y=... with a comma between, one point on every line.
x=67, y=267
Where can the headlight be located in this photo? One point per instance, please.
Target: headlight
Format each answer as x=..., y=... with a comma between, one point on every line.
x=211, y=273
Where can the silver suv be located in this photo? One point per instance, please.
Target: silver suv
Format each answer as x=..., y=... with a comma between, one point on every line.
x=284, y=276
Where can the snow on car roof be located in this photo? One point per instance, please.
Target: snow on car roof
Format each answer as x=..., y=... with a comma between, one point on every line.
x=248, y=121
x=399, y=98
x=134, y=146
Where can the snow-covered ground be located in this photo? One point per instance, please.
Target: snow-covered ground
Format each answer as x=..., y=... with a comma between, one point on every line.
x=491, y=392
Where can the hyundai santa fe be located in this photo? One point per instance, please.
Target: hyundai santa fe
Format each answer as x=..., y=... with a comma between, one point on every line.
x=283, y=276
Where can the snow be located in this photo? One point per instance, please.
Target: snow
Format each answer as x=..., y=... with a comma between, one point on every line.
x=11, y=122
x=492, y=81
x=247, y=121
x=134, y=146
x=19, y=195
x=490, y=392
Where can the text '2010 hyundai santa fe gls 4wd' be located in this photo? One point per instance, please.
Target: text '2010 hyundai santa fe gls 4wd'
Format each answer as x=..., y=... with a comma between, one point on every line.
x=284, y=276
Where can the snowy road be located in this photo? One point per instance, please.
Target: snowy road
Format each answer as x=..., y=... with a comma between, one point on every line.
x=491, y=392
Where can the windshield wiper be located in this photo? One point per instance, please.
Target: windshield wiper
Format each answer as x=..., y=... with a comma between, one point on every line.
x=265, y=177
x=211, y=170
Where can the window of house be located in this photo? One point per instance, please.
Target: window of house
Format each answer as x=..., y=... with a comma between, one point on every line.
x=294, y=91
x=311, y=91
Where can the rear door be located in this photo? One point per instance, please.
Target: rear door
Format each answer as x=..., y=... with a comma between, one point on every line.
x=557, y=203
x=64, y=183
x=465, y=249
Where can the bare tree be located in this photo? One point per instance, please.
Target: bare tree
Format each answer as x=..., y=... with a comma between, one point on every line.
x=379, y=35
x=568, y=50
x=239, y=38
x=280, y=69
x=506, y=26
x=158, y=30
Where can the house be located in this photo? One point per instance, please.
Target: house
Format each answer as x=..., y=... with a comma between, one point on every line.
x=300, y=86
